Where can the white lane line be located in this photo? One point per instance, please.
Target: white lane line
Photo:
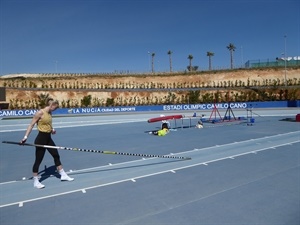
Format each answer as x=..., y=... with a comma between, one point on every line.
x=75, y=125
x=83, y=191
x=164, y=210
x=133, y=179
x=80, y=121
x=240, y=142
x=20, y=204
x=184, y=152
x=234, y=156
x=8, y=182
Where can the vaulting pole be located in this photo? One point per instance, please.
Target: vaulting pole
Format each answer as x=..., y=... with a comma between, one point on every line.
x=98, y=151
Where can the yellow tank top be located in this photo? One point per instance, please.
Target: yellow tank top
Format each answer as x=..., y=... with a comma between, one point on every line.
x=45, y=123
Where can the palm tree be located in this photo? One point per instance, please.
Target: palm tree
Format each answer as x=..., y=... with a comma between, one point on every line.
x=152, y=62
x=231, y=48
x=209, y=54
x=190, y=57
x=42, y=99
x=170, y=59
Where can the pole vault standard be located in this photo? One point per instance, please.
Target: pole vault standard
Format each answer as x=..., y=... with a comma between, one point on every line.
x=99, y=151
x=215, y=111
x=229, y=110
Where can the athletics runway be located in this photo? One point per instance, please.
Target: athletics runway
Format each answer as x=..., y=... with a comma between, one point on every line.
x=240, y=173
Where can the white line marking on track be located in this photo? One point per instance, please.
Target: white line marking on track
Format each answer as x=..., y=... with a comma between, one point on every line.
x=133, y=179
x=237, y=155
x=8, y=182
x=250, y=140
x=203, y=149
x=184, y=152
x=164, y=210
x=20, y=204
x=138, y=177
x=75, y=124
x=83, y=191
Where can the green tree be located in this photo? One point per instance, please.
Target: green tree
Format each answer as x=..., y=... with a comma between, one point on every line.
x=42, y=99
x=152, y=62
x=209, y=54
x=170, y=59
x=110, y=102
x=194, y=96
x=231, y=48
x=86, y=101
x=190, y=58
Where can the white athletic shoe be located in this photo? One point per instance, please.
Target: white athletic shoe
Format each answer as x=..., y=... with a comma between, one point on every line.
x=66, y=178
x=38, y=185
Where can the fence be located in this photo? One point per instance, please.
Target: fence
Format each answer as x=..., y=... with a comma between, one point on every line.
x=278, y=62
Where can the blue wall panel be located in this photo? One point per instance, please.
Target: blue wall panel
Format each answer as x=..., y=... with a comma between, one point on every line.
x=181, y=107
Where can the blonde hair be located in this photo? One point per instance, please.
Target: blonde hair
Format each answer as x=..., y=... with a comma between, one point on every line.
x=56, y=102
x=51, y=101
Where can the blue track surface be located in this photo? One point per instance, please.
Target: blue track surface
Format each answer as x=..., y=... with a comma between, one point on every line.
x=240, y=173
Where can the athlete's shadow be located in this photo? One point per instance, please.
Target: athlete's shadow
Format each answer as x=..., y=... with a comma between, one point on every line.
x=48, y=172
x=126, y=167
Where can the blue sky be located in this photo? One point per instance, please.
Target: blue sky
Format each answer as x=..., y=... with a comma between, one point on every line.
x=90, y=36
